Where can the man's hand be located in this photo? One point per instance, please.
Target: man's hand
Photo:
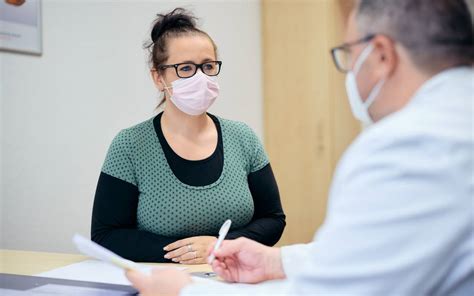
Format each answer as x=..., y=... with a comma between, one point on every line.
x=160, y=282
x=191, y=250
x=246, y=261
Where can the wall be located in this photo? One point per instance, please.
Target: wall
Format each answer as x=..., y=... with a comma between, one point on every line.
x=308, y=123
x=1, y=152
x=60, y=111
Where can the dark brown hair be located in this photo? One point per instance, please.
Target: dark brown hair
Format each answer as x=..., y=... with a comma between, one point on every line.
x=174, y=24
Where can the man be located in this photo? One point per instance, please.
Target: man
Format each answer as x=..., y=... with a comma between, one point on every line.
x=401, y=207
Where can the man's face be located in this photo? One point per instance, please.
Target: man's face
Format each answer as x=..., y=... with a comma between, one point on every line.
x=365, y=78
x=387, y=65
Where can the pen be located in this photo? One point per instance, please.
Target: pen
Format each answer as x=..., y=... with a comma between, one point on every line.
x=222, y=233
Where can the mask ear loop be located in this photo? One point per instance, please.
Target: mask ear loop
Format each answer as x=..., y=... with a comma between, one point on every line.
x=166, y=88
x=362, y=57
x=360, y=60
x=374, y=93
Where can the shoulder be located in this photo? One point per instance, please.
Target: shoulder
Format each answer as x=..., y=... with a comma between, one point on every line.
x=418, y=143
x=240, y=137
x=387, y=167
x=237, y=129
x=139, y=129
x=433, y=125
x=135, y=134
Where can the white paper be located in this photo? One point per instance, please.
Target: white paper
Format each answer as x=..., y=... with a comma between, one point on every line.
x=94, y=250
x=109, y=268
x=90, y=271
x=96, y=271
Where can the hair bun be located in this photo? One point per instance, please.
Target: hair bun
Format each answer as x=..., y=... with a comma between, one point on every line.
x=177, y=20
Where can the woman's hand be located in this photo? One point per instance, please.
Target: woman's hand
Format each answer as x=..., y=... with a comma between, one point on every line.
x=191, y=250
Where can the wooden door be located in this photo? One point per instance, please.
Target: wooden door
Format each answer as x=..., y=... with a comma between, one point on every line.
x=307, y=119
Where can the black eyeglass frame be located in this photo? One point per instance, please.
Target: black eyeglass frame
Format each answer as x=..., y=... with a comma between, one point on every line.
x=198, y=66
x=347, y=46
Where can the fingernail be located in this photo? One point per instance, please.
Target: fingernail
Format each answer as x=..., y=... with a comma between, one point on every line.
x=165, y=248
x=174, y=260
x=167, y=256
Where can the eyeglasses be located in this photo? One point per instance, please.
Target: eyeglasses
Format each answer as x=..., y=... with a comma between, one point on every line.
x=342, y=53
x=187, y=70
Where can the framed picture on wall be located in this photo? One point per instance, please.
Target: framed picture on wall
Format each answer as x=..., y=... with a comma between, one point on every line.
x=20, y=26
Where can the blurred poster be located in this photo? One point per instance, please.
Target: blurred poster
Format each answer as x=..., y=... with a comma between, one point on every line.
x=20, y=26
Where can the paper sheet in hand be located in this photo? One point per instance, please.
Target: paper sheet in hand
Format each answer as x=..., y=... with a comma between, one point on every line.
x=99, y=272
x=90, y=248
x=107, y=269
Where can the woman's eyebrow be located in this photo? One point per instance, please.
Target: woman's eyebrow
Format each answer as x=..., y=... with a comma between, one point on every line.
x=192, y=62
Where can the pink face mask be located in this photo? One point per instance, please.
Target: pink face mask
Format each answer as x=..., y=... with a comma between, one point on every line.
x=194, y=95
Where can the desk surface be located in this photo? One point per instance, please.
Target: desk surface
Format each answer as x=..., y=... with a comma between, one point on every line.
x=30, y=263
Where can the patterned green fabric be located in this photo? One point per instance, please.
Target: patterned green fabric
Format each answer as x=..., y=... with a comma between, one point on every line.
x=169, y=207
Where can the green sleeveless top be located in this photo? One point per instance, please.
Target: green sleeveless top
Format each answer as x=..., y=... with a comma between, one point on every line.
x=168, y=207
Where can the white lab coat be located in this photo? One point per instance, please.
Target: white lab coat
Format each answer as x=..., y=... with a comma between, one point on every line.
x=401, y=207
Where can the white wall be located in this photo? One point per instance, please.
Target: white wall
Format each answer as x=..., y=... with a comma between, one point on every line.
x=1, y=153
x=61, y=110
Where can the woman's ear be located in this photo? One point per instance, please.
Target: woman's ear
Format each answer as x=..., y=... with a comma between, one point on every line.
x=156, y=76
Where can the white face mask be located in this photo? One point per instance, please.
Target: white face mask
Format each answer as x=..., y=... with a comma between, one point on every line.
x=360, y=109
x=194, y=95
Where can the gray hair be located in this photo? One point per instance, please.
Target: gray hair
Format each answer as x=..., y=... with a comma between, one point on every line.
x=436, y=33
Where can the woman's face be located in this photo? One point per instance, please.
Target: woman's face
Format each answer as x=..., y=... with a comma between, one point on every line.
x=196, y=49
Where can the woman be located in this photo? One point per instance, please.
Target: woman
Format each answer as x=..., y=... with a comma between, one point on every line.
x=168, y=183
